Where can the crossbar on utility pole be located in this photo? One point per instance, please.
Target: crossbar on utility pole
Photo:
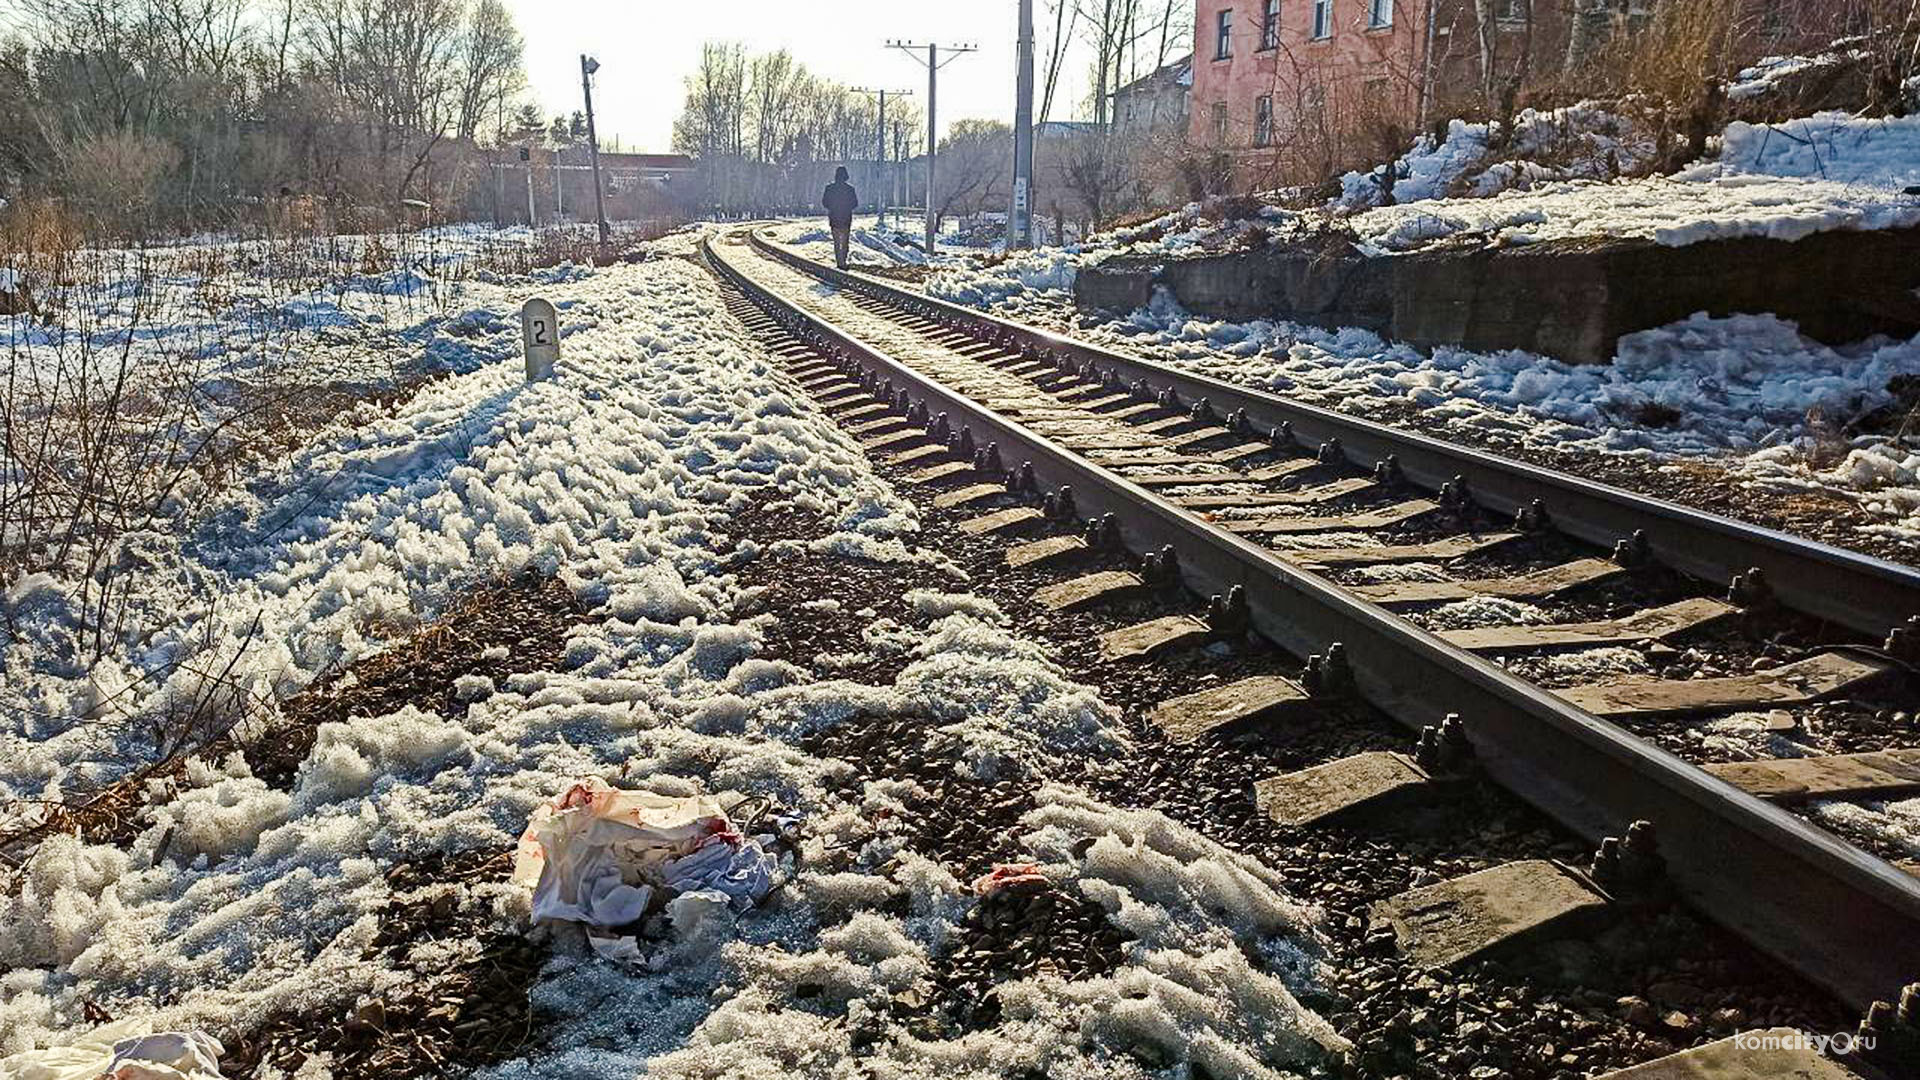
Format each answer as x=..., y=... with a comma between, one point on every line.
x=880, y=183
x=588, y=66
x=933, y=64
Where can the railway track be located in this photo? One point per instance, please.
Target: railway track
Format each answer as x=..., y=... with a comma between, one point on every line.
x=1284, y=515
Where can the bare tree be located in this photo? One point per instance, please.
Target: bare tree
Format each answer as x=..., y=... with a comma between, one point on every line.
x=491, y=70
x=973, y=157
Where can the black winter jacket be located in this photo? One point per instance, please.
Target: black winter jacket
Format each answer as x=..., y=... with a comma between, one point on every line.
x=839, y=199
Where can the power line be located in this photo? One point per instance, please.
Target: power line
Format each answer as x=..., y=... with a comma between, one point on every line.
x=933, y=65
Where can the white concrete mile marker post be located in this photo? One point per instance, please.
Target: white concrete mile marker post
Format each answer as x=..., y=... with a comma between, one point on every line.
x=540, y=330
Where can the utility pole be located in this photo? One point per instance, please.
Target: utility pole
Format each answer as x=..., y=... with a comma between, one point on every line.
x=1020, y=214
x=588, y=66
x=526, y=162
x=880, y=182
x=934, y=64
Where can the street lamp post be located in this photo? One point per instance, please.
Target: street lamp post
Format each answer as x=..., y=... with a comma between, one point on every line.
x=588, y=66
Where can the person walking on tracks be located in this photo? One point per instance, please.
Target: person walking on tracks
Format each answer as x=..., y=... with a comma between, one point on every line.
x=840, y=200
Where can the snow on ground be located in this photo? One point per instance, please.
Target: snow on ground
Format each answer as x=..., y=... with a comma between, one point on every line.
x=620, y=476
x=1767, y=74
x=1783, y=181
x=1676, y=211
x=1877, y=152
x=898, y=244
x=1895, y=822
x=811, y=238
x=1584, y=141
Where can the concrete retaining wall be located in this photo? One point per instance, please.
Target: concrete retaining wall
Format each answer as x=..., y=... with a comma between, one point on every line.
x=1570, y=299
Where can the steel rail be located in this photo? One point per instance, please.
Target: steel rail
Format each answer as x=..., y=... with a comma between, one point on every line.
x=1839, y=916
x=1866, y=595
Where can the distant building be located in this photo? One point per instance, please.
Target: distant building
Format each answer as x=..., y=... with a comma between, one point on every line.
x=1318, y=84
x=636, y=185
x=1155, y=103
x=1062, y=129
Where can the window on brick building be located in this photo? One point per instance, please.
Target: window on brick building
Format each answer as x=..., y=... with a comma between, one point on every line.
x=1263, y=120
x=1322, y=19
x=1223, y=27
x=1219, y=123
x=1379, y=13
x=1270, y=26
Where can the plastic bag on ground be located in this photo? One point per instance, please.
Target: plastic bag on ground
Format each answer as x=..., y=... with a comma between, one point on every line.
x=1008, y=876
x=122, y=1051
x=597, y=855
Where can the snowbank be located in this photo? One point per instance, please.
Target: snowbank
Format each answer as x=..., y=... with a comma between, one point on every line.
x=1584, y=141
x=1833, y=146
x=621, y=476
x=1782, y=181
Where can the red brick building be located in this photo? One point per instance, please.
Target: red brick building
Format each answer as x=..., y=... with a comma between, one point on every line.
x=1294, y=89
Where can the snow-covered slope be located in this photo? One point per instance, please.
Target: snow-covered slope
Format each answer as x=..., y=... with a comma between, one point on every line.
x=1584, y=141
x=1782, y=181
x=622, y=477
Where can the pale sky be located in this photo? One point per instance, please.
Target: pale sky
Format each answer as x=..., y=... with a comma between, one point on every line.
x=647, y=48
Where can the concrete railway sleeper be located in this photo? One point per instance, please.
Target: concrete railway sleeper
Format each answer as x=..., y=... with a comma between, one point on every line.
x=1841, y=917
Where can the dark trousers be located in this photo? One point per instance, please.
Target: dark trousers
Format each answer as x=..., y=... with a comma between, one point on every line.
x=842, y=241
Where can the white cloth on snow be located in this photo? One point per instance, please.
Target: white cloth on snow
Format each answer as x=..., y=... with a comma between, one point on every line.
x=122, y=1051
x=597, y=854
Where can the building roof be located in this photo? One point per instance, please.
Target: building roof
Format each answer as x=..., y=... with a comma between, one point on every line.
x=1065, y=127
x=1177, y=74
x=610, y=159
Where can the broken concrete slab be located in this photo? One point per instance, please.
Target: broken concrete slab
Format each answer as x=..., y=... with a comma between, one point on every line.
x=1795, y=684
x=1088, y=590
x=1176, y=479
x=1766, y=1054
x=1238, y=453
x=1540, y=583
x=1191, y=439
x=1452, y=547
x=946, y=470
x=1115, y=458
x=972, y=493
x=856, y=412
x=1153, y=637
x=1013, y=517
x=1164, y=424
x=1363, y=783
x=892, y=439
x=876, y=427
x=1882, y=774
x=1379, y=518
x=1303, y=497
x=1041, y=552
x=1186, y=718
x=917, y=455
x=1092, y=397
x=1655, y=623
x=1471, y=917
x=837, y=392
x=1109, y=440
x=1282, y=469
